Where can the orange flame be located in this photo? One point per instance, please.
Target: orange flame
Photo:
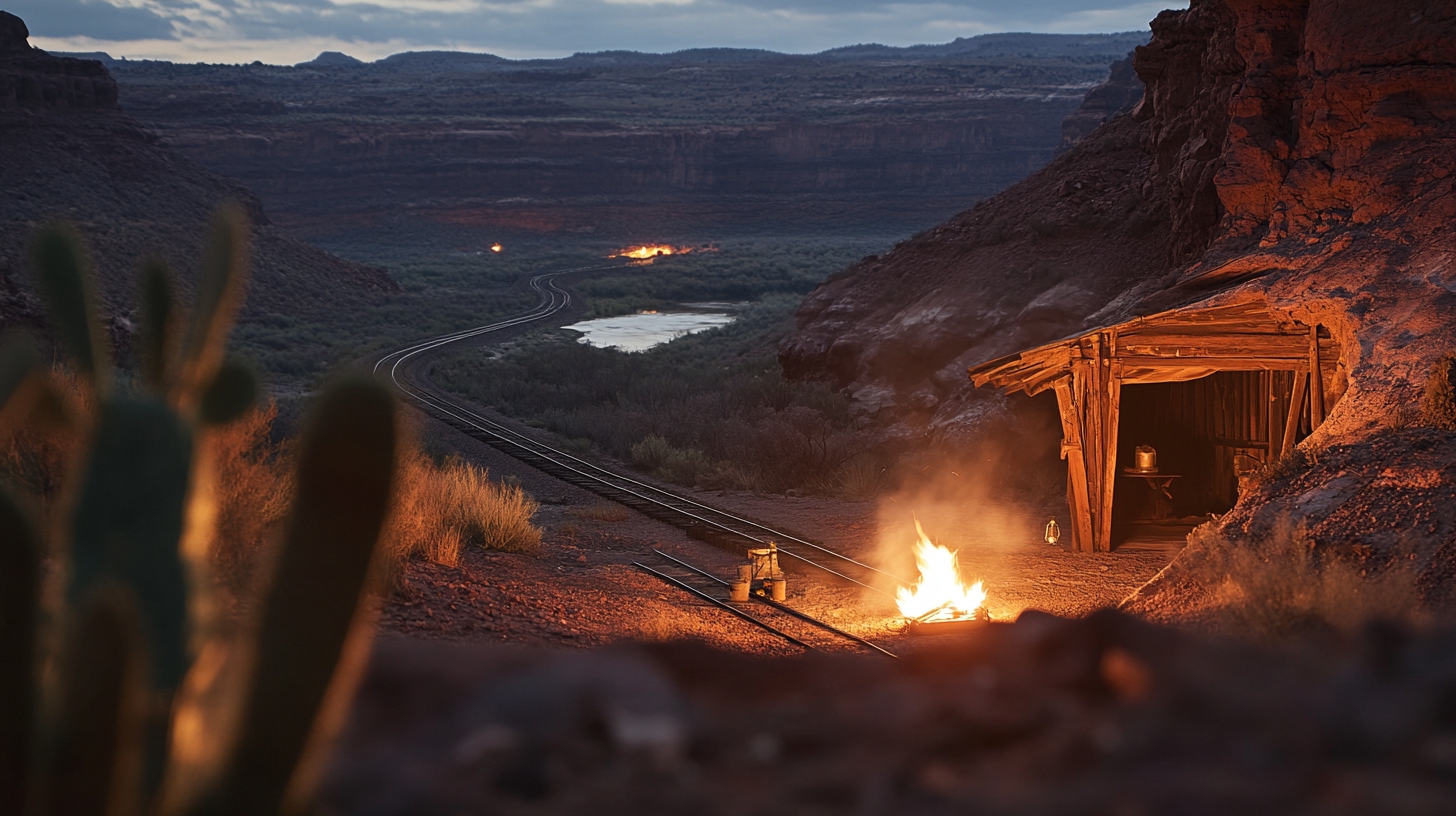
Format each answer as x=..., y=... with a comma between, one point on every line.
x=495, y=247
x=650, y=251
x=939, y=594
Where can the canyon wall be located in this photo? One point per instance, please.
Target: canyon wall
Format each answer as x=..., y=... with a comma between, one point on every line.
x=70, y=153
x=630, y=145
x=1301, y=153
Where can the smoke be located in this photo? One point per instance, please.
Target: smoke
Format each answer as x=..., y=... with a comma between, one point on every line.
x=988, y=497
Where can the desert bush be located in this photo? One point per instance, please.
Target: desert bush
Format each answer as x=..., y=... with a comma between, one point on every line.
x=439, y=509
x=1283, y=584
x=252, y=477
x=651, y=453
x=860, y=479
x=36, y=458
x=1438, y=404
x=1292, y=464
x=659, y=457
x=253, y=482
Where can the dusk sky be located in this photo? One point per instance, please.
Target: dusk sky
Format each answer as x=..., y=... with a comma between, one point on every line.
x=289, y=31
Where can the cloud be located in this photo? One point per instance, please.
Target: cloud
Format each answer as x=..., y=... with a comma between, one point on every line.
x=89, y=18
x=281, y=30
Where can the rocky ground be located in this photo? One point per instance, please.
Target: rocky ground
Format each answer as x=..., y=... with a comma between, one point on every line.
x=582, y=590
x=1100, y=715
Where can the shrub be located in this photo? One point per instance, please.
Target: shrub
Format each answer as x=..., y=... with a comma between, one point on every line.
x=657, y=456
x=1284, y=584
x=651, y=453
x=1438, y=405
x=1296, y=462
x=440, y=509
x=860, y=479
x=253, y=478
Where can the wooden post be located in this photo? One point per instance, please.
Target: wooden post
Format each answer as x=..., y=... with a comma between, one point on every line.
x=1316, y=382
x=1273, y=419
x=1113, y=406
x=1103, y=394
x=1296, y=407
x=1072, y=451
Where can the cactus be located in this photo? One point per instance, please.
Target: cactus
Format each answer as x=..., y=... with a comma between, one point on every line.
x=145, y=671
x=19, y=618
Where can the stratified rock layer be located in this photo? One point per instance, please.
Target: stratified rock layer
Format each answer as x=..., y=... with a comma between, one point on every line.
x=632, y=146
x=70, y=153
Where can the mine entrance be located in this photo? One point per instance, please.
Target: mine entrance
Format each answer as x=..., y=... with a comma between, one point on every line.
x=1206, y=434
x=1217, y=390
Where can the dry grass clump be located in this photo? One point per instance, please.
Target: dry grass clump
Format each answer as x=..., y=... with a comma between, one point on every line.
x=860, y=479
x=440, y=509
x=1438, y=404
x=253, y=482
x=1283, y=585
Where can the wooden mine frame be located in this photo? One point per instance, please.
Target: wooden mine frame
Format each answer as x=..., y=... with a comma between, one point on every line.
x=1088, y=371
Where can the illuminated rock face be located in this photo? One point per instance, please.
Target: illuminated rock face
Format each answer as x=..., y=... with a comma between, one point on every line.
x=1275, y=118
x=1284, y=133
x=1305, y=149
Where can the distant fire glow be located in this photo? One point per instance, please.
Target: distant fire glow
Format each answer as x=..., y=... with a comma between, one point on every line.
x=646, y=253
x=495, y=247
x=939, y=594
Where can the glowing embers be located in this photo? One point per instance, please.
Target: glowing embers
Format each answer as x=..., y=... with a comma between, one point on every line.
x=940, y=595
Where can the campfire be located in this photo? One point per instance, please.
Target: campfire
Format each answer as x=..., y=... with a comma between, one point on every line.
x=939, y=595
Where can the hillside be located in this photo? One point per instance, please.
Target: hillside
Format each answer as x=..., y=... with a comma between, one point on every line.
x=628, y=145
x=1298, y=155
x=70, y=152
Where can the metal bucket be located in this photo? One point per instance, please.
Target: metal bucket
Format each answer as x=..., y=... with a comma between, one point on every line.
x=1145, y=458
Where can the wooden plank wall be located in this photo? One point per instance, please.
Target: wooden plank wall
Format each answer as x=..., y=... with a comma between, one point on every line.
x=1208, y=429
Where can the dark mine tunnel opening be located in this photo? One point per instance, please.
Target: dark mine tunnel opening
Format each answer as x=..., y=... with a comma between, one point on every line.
x=1211, y=437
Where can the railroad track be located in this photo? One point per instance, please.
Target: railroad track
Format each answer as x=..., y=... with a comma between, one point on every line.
x=402, y=368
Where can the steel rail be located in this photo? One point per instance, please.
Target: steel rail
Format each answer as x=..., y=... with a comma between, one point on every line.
x=552, y=300
x=785, y=608
x=710, y=599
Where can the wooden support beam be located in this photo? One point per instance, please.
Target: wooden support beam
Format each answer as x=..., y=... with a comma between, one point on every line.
x=1102, y=391
x=1072, y=450
x=1296, y=407
x=1113, y=388
x=1217, y=345
x=1216, y=363
x=1316, y=381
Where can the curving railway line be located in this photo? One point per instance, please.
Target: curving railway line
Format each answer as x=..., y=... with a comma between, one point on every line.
x=405, y=368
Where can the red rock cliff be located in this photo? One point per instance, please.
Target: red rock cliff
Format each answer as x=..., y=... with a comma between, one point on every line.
x=1304, y=150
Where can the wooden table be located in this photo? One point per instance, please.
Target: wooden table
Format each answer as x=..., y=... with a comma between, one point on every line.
x=1159, y=483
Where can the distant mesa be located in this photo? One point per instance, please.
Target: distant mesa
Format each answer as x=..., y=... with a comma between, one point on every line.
x=99, y=56
x=331, y=59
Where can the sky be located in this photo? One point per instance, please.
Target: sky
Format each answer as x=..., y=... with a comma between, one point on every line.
x=290, y=31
